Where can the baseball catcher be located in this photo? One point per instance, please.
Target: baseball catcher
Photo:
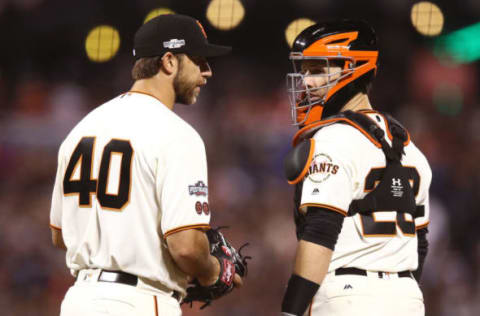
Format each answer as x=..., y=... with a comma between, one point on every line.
x=362, y=186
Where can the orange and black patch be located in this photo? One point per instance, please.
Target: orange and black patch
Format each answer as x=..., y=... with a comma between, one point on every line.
x=155, y=305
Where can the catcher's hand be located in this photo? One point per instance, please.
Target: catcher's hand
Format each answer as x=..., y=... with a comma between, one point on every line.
x=231, y=263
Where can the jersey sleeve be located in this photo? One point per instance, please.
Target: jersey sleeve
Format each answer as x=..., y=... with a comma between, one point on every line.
x=328, y=181
x=57, y=196
x=183, y=187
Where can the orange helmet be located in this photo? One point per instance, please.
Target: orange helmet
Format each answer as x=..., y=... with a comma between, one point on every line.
x=350, y=45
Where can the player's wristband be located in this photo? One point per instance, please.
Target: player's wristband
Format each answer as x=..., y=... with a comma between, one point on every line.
x=299, y=294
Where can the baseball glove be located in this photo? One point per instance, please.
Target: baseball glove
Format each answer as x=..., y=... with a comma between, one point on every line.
x=231, y=262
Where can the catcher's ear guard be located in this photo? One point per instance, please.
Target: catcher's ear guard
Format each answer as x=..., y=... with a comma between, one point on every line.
x=298, y=160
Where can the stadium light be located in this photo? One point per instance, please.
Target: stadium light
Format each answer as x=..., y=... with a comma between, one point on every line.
x=427, y=18
x=225, y=14
x=102, y=43
x=295, y=27
x=156, y=12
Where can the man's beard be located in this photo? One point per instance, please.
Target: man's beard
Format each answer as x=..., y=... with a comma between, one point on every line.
x=184, y=93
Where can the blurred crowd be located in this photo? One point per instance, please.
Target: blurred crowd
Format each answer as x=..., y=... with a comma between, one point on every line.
x=244, y=118
x=247, y=135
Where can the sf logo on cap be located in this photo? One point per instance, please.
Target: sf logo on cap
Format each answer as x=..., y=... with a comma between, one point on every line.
x=174, y=43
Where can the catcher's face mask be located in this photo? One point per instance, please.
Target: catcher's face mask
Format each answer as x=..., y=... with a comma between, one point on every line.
x=312, y=83
x=347, y=49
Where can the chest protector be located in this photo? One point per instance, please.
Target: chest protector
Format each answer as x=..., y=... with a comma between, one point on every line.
x=393, y=191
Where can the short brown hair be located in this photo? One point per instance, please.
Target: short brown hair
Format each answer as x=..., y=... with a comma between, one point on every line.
x=147, y=67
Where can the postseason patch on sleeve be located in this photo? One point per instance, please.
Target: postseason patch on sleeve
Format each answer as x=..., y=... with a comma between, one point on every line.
x=322, y=168
x=198, y=189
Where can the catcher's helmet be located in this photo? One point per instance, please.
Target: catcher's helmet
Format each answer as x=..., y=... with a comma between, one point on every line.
x=350, y=44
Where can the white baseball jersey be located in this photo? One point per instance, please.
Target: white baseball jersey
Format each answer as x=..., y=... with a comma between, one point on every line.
x=345, y=167
x=129, y=174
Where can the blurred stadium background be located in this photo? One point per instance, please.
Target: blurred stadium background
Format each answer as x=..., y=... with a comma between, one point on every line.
x=60, y=59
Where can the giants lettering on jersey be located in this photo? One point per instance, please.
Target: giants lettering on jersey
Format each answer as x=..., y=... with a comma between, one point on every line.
x=321, y=168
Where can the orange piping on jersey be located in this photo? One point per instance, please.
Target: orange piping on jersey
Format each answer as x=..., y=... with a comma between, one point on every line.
x=140, y=92
x=296, y=138
x=422, y=226
x=368, y=111
x=307, y=164
x=331, y=208
x=195, y=226
x=310, y=309
x=55, y=227
x=156, y=305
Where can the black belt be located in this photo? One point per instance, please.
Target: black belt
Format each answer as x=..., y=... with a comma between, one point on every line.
x=343, y=271
x=126, y=278
x=118, y=277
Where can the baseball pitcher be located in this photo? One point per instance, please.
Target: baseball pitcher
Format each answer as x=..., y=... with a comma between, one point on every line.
x=130, y=201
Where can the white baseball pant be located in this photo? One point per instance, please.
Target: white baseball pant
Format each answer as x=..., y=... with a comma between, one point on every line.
x=371, y=295
x=88, y=296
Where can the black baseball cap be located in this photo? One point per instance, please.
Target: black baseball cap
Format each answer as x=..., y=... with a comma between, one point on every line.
x=174, y=33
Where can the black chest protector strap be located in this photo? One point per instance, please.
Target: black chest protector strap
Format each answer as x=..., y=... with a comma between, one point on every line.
x=393, y=192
